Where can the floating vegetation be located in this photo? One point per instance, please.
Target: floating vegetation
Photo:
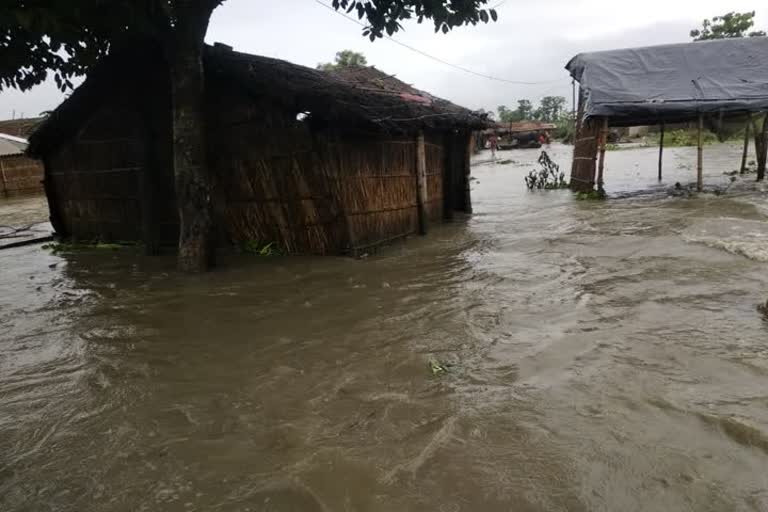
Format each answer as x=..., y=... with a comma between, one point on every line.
x=256, y=248
x=438, y=368
x=592, y=195
x=75, y=246
x=549, y=177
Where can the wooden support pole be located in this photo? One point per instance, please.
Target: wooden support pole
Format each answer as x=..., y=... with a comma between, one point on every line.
x=700, y=160
x=2, y=179
x=421, y=182
x=661, y=149
x=467, y=174
x=762, y=154
x=744, y=152
x=601, y=153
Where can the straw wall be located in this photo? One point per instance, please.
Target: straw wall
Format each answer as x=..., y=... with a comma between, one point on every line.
x=315, y=189
x=307, y=187
x=94, y=181
x=20, y=175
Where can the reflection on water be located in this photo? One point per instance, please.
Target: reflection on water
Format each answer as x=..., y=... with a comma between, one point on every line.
x=604, y=356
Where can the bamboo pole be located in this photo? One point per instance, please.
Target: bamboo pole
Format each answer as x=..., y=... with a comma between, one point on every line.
x=601, y=153
x=467, y=172
x=763, y=155
x=2, y=178
x=421, y=183
x=573, y=110
x=744, y=152
x=700, y=159
x=661, y=149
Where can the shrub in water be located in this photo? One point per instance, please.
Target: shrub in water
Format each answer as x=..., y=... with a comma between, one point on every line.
x=548, y=177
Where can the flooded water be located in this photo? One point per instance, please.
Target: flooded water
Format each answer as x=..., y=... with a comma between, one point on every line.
x=600, y=356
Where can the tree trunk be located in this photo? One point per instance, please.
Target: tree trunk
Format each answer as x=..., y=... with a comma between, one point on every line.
x=193, y=182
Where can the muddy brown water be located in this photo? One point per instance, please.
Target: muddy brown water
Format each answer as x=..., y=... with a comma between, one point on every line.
x=603, y=356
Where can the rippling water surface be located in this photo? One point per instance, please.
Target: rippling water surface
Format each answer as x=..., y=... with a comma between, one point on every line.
x=601, y=356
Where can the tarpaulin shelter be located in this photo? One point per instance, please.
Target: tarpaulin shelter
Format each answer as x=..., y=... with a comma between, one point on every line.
x=711, y=82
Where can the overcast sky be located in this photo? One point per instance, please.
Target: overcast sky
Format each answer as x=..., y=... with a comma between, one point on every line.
x=531, y=42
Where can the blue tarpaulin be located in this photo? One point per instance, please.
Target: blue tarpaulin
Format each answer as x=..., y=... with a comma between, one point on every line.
x=675, y=82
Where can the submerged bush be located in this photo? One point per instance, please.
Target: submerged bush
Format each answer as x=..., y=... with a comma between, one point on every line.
x=72, y=246
x=549, y=177
x=592, y=195
x=256, y=248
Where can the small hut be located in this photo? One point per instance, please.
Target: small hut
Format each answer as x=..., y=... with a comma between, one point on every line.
x=710, y=83
x=312, y=161
x=19, y=174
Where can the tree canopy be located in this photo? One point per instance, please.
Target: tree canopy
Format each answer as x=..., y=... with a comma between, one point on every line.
x=385, y=16
x=551, y=109
x=729, y=25
x=64, y=38
x=344, y=58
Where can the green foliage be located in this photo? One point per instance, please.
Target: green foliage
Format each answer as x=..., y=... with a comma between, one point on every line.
x=523, y=112
x=344, y=58
x=385, y=16
x=551, y=109
x=78, y=246
x=438, y=368
x=65, y=38
x=549, y=177
x=256, y=248
x=592, y=195
x=729, y=25
x=680, y=138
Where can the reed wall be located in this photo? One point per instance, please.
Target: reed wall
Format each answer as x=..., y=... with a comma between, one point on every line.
x=306, y=187
x=20, y=175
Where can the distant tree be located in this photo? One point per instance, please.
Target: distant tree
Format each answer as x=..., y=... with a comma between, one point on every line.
x=68, y=38
x=550, y=109
x=729, y=25
x=344, y=58
x=505, y=115
x=524, y=110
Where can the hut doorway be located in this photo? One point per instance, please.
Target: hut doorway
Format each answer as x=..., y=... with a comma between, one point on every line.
x=455, y=174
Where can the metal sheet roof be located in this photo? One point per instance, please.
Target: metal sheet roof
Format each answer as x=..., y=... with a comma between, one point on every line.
x=10, y=145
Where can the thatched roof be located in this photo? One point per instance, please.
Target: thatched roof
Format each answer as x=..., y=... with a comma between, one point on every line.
x=365, y=93
x=362, y=95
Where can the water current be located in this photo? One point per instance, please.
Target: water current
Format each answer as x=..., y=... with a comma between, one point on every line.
x=599, y=356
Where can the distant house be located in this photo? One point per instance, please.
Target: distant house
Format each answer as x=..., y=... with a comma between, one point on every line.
x=314, y=161
x=19, y=174
x=20, y=127
x=520, y=134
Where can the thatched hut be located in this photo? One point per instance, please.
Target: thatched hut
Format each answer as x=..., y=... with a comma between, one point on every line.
x=314, y=161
